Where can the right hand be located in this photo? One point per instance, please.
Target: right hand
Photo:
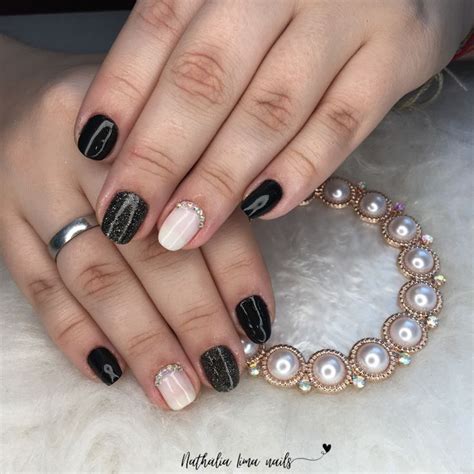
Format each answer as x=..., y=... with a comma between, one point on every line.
x=107, y=307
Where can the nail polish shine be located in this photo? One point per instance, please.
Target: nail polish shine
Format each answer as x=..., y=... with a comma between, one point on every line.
x=254, y=318
x=262, y=200
x=98, y=137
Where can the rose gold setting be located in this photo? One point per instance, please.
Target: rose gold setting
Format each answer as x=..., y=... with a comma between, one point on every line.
x=255, y=359
x=421, y=314
x=388, y=340
x=418, y=276
x=305, y=373
x=328, y=388
x=359, y=370
x=333, y=204
x=397, y=243
x=308, y=200
x=283, y=383
x=364, y=217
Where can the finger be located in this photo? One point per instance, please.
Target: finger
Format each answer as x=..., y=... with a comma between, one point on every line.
x=267, y=117
x=65, y=320
x=181, y=287
x=360, y=96
x=197, y=89
x=238, y=269
x=129, y=74
x=98, y=277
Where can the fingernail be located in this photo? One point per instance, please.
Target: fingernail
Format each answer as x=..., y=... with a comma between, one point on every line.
x=105, y=365
x=253, y=316
x=124, y=216
x=262, y=200
x=98, y=137
x=221, y=368
x=181, y=225
x=175, y=386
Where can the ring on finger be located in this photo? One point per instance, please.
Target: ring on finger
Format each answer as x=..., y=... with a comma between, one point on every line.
x=70, y=231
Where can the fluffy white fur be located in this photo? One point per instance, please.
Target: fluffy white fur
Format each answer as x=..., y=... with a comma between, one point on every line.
x=335, y=282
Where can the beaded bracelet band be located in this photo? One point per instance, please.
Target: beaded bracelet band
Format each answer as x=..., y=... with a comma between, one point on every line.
x=404, y=333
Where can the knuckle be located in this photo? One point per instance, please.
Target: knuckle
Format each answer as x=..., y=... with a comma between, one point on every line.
x=123, y=84
x=220, y=179
x=272, y=108
x=45, y=289
x=102, y=279
x=200, y=75
x=240, y=267
x=160, y=261
x=340, y=118
x=68, y=329
x=198, y=318
x=145, y=343
x=303, y=164
x=151, y=161
x=159, y=17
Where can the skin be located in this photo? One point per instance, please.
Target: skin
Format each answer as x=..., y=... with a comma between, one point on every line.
x=211, y=98
x=148, y=306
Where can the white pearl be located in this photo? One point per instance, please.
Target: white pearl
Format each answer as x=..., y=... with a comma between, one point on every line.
x=329, y=369
x=283, y=364
x=337, y=191
x=250, y=348
x=421, y=297
x=373, y=204
x=402, y=228
x=419, y=260
x=405, y=332
x=373, y=358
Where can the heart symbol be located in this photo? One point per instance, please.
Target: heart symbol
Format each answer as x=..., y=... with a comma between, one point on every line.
x=327, y=447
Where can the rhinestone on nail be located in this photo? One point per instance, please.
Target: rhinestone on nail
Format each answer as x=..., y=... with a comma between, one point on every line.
x=196, y=209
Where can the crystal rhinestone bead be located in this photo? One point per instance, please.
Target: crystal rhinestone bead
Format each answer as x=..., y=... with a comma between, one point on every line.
x=432, y=321
x=427, y=239
x=254, y=370
x=439, y=280
x=358, y=381
x=362, y=185
x=404, y=358
x=399, y=207
x=304, y=385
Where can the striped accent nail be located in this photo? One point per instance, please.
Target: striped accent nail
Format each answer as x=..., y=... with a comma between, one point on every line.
x=124, y=216
x=221, y=368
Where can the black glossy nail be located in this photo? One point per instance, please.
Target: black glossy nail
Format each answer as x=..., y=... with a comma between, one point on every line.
x=221, y=368
x=124, y=216
x=253, y=316
x=262, y=200
x=105, y=365
x=98, y=137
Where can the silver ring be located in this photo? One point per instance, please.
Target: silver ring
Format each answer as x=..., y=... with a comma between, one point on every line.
x=69, y=232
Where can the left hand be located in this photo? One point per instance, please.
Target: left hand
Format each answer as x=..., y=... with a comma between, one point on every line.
x=210, y=101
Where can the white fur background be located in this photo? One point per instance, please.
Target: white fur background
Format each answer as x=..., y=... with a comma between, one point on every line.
x=335, y=282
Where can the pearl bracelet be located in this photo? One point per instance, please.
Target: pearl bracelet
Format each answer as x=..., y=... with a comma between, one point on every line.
x=404, y=333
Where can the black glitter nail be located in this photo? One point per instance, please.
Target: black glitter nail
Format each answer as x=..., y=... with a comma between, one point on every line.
x=98, y=137
x=262, y=200
x=105, y=365
x=124, y=216
x=253, y=316
x=221, y=368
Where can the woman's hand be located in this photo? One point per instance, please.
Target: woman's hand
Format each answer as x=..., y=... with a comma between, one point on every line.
x=213, y=101
x=105, y=307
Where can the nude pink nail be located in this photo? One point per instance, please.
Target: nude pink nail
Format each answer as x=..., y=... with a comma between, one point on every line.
x=175, y=386
x=183, y=223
